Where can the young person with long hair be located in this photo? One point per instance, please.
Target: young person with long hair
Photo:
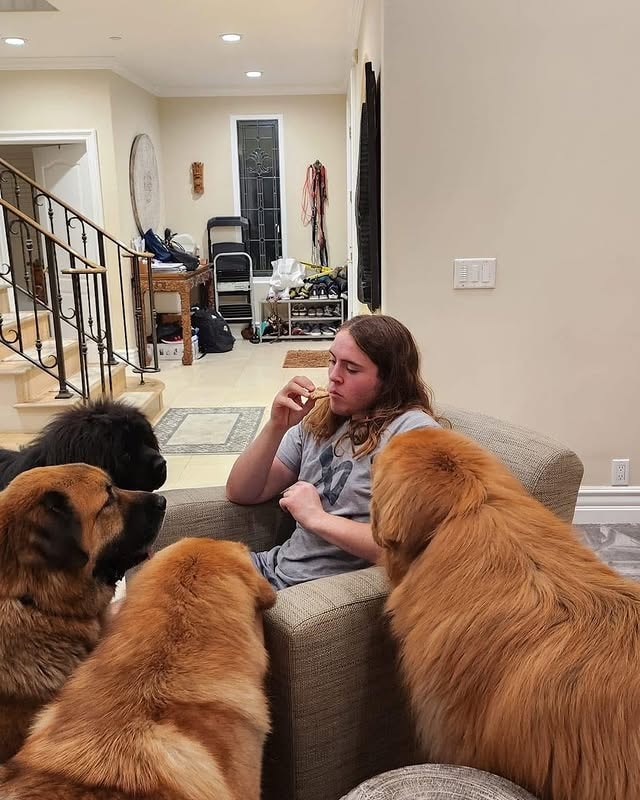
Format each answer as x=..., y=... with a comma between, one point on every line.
x=318, y=453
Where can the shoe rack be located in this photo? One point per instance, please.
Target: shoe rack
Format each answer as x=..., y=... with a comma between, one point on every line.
x=305, y=320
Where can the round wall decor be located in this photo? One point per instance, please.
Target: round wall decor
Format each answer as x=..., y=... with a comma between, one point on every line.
x=144, y=184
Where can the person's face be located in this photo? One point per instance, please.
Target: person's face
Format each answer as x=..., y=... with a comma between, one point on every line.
x=354, y=384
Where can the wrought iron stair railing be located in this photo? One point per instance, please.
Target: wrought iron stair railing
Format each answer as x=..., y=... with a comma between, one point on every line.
x=59, y=264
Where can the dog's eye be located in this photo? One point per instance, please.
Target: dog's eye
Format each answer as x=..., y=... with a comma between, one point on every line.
x=111, y=498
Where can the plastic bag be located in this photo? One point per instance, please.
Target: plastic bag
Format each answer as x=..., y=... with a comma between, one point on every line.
x=287, y=273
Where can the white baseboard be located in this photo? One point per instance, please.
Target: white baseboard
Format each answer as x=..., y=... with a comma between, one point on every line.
x=607, y=504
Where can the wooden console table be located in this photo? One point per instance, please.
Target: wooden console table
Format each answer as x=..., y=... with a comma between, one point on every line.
x=182, y=283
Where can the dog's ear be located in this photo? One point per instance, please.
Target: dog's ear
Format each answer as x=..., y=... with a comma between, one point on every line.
x=57, y=532
x=262, y=590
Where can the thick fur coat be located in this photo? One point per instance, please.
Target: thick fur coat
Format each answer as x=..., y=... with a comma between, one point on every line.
x=171, y=704
x=66, y=536
x=108, y=434
x=519, y=649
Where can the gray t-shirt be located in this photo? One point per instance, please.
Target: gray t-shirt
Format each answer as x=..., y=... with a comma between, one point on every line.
x=344, y=485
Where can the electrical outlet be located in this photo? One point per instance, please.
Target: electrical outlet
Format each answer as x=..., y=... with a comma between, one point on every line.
x=620, y=472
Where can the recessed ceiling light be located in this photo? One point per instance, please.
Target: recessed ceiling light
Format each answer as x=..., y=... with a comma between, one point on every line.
x=16, y=41
x=115, y=38
x=231, y=37
x=254, y=73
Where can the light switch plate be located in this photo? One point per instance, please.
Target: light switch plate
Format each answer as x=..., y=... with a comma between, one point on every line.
x=474, y=273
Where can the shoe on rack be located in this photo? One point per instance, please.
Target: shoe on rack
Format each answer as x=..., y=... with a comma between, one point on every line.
x=315, y=330
x=296, y=330
x=177, y=339
x=306, y=329
x=328, y=330
x=313, y=292
x=327, y=311
x=322, y=292
x=333, y=292
x=296, y=311
x=311, y=311
x=303, y=292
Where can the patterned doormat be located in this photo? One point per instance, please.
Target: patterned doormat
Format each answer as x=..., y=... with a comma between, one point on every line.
x=306, y=358
x=208, y=430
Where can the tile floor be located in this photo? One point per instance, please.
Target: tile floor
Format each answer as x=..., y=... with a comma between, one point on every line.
x=250, y=375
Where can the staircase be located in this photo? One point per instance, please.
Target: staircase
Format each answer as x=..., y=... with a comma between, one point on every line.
x=60, y=341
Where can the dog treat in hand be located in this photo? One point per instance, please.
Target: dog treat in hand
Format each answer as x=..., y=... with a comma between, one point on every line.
x=318, y=393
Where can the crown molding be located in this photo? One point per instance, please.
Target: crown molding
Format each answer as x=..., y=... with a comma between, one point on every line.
x=266, y=91
x=59, y=62
x=112, y=65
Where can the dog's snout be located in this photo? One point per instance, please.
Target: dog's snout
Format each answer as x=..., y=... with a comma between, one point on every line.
x=161, y=501
x=159, y=471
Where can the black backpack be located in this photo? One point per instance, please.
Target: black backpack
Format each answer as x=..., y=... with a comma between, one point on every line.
x=214, y=335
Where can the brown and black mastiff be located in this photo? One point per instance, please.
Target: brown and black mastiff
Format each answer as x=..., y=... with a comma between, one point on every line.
x=67, y=535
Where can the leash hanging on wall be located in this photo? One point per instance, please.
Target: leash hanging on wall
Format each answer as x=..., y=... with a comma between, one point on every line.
x=314, y=199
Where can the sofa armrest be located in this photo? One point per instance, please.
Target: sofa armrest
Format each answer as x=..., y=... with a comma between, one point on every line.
x=207, y=512
x=333, y=688
x=549, y=471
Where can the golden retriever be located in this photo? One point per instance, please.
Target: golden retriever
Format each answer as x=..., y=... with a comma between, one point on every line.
x=66, y=536
x=171, y=704
x=520, y=650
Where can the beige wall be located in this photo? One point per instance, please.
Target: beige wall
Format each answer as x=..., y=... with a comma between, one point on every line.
x=370, y=38
x=64, y=100
x=198, y=129
x=511, y=130
x=133, y=111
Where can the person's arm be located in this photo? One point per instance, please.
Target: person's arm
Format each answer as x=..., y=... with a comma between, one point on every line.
x=302, y=501
x=354, y=537
x=257, y=474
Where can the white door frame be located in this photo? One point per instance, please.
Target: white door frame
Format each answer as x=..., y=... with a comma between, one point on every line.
x=90, y=140
x=235, y=171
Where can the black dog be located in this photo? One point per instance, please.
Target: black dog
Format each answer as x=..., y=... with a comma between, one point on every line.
x=108, y=434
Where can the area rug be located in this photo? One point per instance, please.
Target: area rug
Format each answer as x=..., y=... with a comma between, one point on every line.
x=208, y=430
x=618, y=545
x=301, y=359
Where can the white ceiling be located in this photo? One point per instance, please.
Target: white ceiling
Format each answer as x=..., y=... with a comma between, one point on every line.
x=171, y=47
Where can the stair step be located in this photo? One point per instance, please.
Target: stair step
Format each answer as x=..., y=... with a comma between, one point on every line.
x=145, y=397
x=28, y=325
x=48, y=399
x=21, y=381
x=4, y=299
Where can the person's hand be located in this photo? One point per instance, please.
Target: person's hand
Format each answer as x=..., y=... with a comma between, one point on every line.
x=288, y=407
x=302, y=501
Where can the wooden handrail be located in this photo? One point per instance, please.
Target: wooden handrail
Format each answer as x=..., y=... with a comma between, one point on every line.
x=47, y=234
x=74, y=211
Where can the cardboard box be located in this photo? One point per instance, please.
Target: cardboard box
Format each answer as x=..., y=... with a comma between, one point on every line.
x=172, y=351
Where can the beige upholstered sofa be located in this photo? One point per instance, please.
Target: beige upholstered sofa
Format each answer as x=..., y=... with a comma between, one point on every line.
x=338, y=711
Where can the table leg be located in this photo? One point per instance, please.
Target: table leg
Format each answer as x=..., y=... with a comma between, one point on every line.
x=209, y=288
x=185, y=307
x=144, y=289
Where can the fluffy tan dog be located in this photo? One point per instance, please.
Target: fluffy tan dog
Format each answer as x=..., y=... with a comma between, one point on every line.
x=171, y=704
x=66, y=536
x=519, y=648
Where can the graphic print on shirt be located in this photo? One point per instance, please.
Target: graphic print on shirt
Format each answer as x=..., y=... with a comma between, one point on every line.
x=330, y=490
